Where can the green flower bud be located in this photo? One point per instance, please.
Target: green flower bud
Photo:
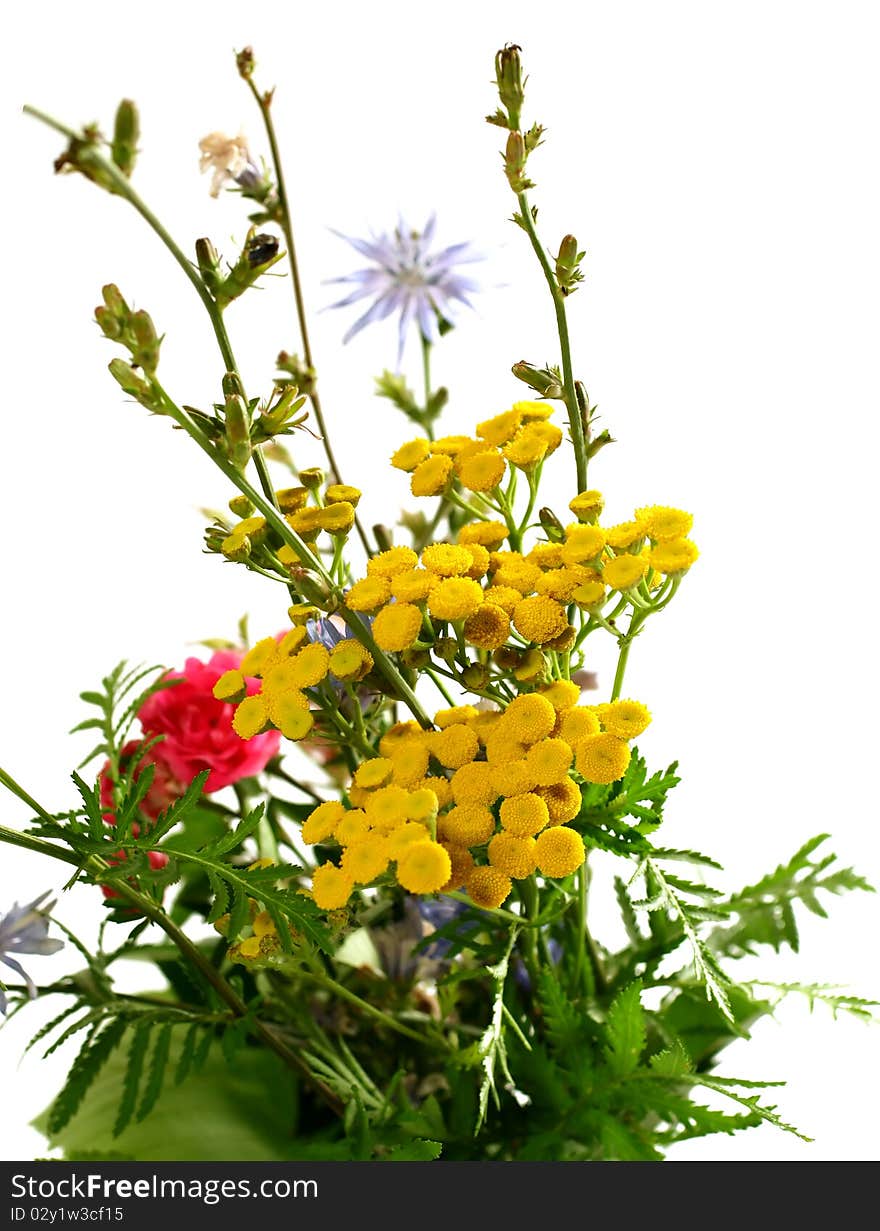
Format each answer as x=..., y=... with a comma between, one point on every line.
x=126, y=130
x=415, y=658
x=209, y=264
x=509, y=80
x=144, y=342
x=515, y=155
x=134, y=385
x=476, y=676
x=446, y=648
x=238, y=431
x=546, y=381
x=241, y=506
x=551, y=525
x=568, y=273
x=245, y=62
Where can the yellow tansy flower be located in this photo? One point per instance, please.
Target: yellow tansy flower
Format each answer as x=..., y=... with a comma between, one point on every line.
x=455, y=746
x=512, y=778
x=663, y=523
x=513, y=855
x=450, y=446
x=462, y=862
x=260, y=657
x=500, y=428
x=626, y=719
x=481, y=472
x=524, y=815
x=414, y=585
x=562, y=694
x=349, y=661
x=230, y=687
x=582, y=543
x=587, y=506
x=446, y=559
x=488, y=887
x=290, y=713
x=549, y=761
x=589, y=594
x=474, y=784
x=455, y=714
x=373, y=773
x=321, y=823
x=331, y=886
x=386, y=808
x=505, y=597
x=455, y=598
x=563, y=800
x=403, y=836
x=366, y=860
x=488, y=534
x=546, y=555
x=488, y=628
x=369, y=593
x=424, y=867
x=539, y=619
x=602, y=758
x=560, y=851
x=397, y=626
x=354, y=827
x=577, y=723
x=624, y=572
x=410, y=762
x=467, y=824
x=529, y=718
x=411, y=454
x=431, y=477
x=250, y=717
x=673, y=556
x=624, y=535
x=389, y=563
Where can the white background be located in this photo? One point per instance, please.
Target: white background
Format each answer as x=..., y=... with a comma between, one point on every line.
x=718, y=162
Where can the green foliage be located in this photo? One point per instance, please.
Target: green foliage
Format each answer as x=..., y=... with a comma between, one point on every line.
x=625, y=1030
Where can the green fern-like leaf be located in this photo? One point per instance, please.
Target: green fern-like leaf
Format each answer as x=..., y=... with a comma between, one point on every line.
x=137, y=1052
x=97, y=1049
x=625, y=1030
x=156, y=1075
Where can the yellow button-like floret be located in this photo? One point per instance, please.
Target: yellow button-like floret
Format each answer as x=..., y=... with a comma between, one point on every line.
x=513, y=855
x=431, y=477
x=440, y=786
x=549, y=761
x=624, y=572
x=462, y=863
x=230, y=687
x=624, y=535
x=321, y=823
x=479, y=555
x=397, y=626
x=626, y=719
x=563, y=800
x=505, y=597
x=474, y=784
x=354, y=827
x=513, y=778
x=488, y=887
x=331, y=886
x=386, y=808
x=481, y=472
x=590, y=595
x=560, y=851
x=404, y=836
x=467, y=824
x=260, y=657
x=490, y=534
x=369, y=593
x=422, y=805
x=500, y=428
x=582, y=543
x=673, y=557
x=411, y=454
x=455, y=598
x=602, y=758
x=546, y=555
x=510, y=569
x=389, y=563
x=450, y=446
x=455, y=746
x=413, y=586
x=562, y=694
x=488, y=628
x=366, y=860
x=409, y=759
x=337, y=518
x=373, y=773
x=540, y=619
x=424, y=867
x=562, y=583
x=290, y=713
x=349, y=661
x=663, y=523
x=309, y=666
x=587, y=506
x=524, y=815
x=251, y=717
x=399, y=733
x=577, y=723
x=529, y=718
x=446, y=559
x=455, y=714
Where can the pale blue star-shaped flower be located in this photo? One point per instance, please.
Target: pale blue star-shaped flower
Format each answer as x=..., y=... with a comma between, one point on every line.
x=407, y=277
x=25, y=929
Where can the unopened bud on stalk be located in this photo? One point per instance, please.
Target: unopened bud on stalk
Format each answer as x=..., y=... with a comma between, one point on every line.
x=509, y=80
x=476, y=676
x=238, y=431
x=568, y=273
x=515, y=155
x=415, y=658
x=134, y=385
x=145, y=342
x=245, y=62
x=446, y=648
x=208, y=262
x=545, y=381
x=551, y=525
x=126, y=130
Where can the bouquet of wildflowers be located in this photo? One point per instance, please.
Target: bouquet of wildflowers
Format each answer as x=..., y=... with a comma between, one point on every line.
x=378, y=945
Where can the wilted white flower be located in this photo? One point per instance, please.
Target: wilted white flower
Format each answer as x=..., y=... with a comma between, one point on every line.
x=229, y=159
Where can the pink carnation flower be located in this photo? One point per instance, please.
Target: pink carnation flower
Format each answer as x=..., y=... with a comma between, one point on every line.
x=197, y=728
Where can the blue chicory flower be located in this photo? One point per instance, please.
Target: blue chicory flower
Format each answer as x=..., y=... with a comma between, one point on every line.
x=25, y=929
x=406, y=277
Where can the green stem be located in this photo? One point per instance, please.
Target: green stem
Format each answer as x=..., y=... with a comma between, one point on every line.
x=638, y=618
x=426, y=374
x=340, y=990
x=575, y=421
x=264, y=102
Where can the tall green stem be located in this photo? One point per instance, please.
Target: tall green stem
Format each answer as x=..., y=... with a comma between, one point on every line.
x=638, y=618
x=264, y=102
x=575, y=421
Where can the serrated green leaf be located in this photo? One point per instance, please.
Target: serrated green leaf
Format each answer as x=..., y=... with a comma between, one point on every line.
x=625, y=1030
x=93, y=1055
x=156, y=1076
x=131, y=1082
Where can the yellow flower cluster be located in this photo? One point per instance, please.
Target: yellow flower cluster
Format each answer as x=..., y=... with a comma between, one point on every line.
x=333, y=513
x=481, y=800
x=285, y=668
x=521, y=437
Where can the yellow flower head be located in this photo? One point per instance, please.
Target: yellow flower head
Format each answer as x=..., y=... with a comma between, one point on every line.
x=481, y=472
x=399, y=733
x=548, y=433
x=462, y=863
x=512, y=778
x=386, y=808
x=369, y=593
x=577, y=723
x=490, y=534
x=563, y=583
x=474, y=784
x=560, y=851
x=389, y=563
x=587, y=506
x=479, y=555
x=397, y=626
x=502, y=747
x=528, y=447
x=624, y=572
x=589, y=594
x=292, y=641
x=438, y=786
x=562, y=694
x=663, y=523
x=413, y=586
x=488, y=628
x=424, y=867
x=483, y=722
x=353, y=828
x=624, y=535
x=230, y=687
x=336, y=518
x=410, y=761
x=488, y=887
x=583, y=543
x=338, y=493
x=533, y=412
x=673, y=556
x=373, y=773
x=563, y=800
x=331, y=886
x=540, y=619
x=455, y=714
x=422, y=805
x=321, y=823
x=505, y=597
x=291, y=498
x=626, y=719
x=412, y=454
x=366, y=860
x=501, y=428
x=250, y=717
x=432, y=476
x=602, y=758
x=455, y=598
x=549, y=761
x=455, y=746
x=290, y=713
x=403, y=836
x=260, y=657
x=446, y=560
x=306, y=522
x=513, y=855
x=467, y=825
x=349, y=661
x=529, y=718
x=450, y=446
x=546, y=555
x=532, y=666
x=309, y=666
x=510, y=569
x=524, y=815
